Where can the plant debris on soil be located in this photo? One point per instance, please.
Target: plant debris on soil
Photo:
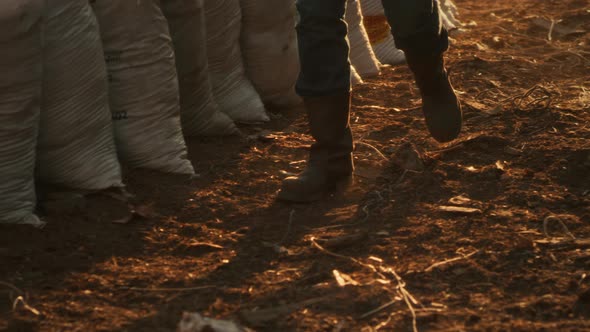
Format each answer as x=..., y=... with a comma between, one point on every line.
x=490, y=232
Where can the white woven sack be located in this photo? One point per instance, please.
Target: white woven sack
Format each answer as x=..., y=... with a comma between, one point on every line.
x=199, y=113
x=269, y=48
x=355, y=78
x=234, y=93
x=362, y=56
x=76, y=147
x=143, y=85
x=20, y=94
x=380, y=33
x=448, y=14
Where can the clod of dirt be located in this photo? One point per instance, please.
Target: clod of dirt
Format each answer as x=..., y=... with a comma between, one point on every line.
x=408, y=158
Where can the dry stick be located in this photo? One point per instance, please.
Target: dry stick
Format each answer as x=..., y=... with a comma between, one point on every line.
x=431, y=267
x=20, y=299
x=376, y=310
x=549, y=38
x=408, y=298
x=291, y=215
x=374, y=149
x=27, y=307
x=11, y=286
x=187, y=289
x=556, y=218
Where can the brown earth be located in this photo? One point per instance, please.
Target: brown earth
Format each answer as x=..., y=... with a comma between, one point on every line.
x=220, y=245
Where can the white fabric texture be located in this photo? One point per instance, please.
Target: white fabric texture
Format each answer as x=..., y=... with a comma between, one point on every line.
x=200, y=115
x=379, y=30
x=76, y=147
x=448, y=14
x=269, y=47
x=379, y=33
x=143, y=85
x=355, y=78
x=20, y=94
x=362, y=56
x=232, y=90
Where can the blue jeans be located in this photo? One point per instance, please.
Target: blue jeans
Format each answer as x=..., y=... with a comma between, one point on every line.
x=323, y=47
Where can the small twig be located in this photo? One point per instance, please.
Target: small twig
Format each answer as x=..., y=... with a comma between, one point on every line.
x=291, y=216
x=549, y=38
x=19, y=299
x=401, y=178
x=378, y=309
x=374, y=149
x=205, y=244
x=401, y=287
x=11, y=286
x=407, y=296
x=180, y=289
x=451, y=260
x=27, y=307
x=333, y=254
x=563, y=226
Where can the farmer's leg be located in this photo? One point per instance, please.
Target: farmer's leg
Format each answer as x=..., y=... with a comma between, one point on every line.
x=324, y=84
x=417, y=30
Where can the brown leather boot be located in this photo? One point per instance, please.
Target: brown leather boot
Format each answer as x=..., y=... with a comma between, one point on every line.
x=330, y=164
x=440, y=105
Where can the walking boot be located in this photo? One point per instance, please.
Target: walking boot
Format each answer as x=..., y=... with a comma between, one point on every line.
x=441, y=108
x=330, y=163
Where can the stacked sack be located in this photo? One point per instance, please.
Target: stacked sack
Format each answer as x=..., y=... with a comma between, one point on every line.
x=199, y=112
x=20, y=97
x=269, y=47
x=362, y=57
x=355, y=78
x=76, y=147
x=232, y=90
x=143, y=85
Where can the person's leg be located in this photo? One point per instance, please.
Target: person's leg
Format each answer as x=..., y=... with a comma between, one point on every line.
x=324, y=84
x=418, y=31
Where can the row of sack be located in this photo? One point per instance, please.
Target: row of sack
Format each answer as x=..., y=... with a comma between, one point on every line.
x=85, y=86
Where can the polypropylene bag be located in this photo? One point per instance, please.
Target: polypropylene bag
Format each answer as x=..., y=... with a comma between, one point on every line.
x=355, y=78
x=143, y=85
x=380, y=33
x=20, y=94
x=269, y=47
x=448, y=14
x=362, y=56
x=76, y=146
x=199, y=113
x=232, y=90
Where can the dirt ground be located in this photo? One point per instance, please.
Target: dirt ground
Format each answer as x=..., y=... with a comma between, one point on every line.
x=487, y=233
